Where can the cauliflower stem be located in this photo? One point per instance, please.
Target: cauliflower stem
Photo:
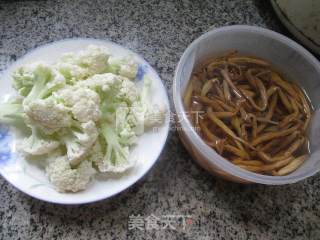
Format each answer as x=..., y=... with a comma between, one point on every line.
x=116, y=158
x=11, y=113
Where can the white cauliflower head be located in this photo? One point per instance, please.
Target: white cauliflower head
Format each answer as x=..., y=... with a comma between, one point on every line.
x=119, y=88
x=111, y=157
x=96, y=154
x=37, y=80
x=25, y=76
x=78, y=141
x=125, y=67
x=68, y=179
x=116, y=158
x=126, y=125
x=128, y=91
x=104, y=82
x=71, y=72
x=86, y=110
x=37, y=144
x=83, y=102
x=72, y=95
x=93, y=60
x=48, y=115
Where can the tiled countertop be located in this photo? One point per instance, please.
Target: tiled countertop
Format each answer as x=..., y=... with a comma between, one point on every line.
x=159, y=31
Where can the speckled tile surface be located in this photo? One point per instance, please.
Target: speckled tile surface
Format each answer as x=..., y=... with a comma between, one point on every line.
x=159, y=31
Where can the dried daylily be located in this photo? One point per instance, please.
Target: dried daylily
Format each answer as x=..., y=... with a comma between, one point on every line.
x=253, y=117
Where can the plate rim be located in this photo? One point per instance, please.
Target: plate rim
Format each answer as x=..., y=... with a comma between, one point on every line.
x=307, y=41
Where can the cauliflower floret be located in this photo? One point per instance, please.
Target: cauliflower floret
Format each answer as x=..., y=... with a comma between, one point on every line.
x=48, y=115
x=37, y=80
x=71, y=72
x=128, y=91
x=127, y=135
x=85, y=111
x=78, y=141
x=67, y=179
x=57, y=81
x=38, y=105
x=103, y=82
x=25, y=76
x=72, y=95
x=37, y=144
x=11, y=113
x=94, y=59
x=125, y=125
x=96, y=153
x=84, y=103
x=125, y=67
x=112, y=156
x=129, y=70
x=114, y=87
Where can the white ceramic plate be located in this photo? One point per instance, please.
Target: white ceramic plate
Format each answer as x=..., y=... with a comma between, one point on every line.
x=30, y=177
x=302, y=18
